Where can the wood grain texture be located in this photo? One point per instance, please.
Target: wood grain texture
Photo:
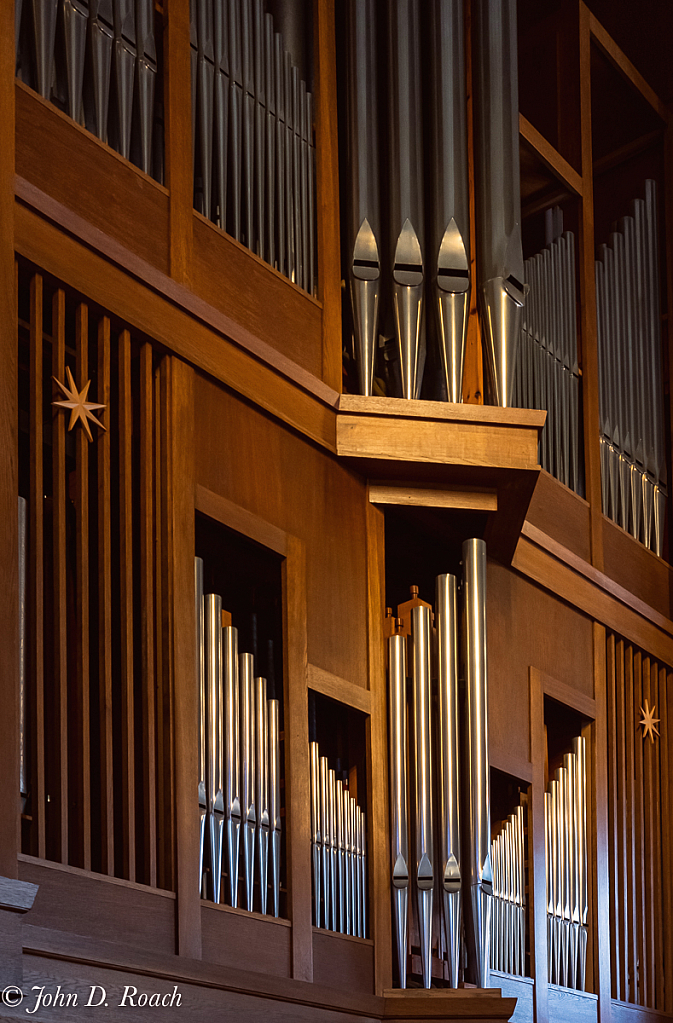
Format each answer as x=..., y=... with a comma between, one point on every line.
x=666, y=755
x=178, y=139
x=104, y=601
x=597, y=845
x=378, y=837
x=242, y=521
x=246, y=941
x=110, y=193
x=327, y=189
x=36, y=566
x=321, y=681
x=561, y=514
x=185, y=718
x=636, y=569
x=422, y=497
x=339, y=956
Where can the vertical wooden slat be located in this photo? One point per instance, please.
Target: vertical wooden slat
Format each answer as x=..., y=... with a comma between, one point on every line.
x=651, y=894
x=623, y=892
x=298, y=833
x=179, y=415
x=126, y=604
x=377, y=792
x=105, y=602
x=639, y=827
x=80, y=755
x=657, y=880
x=665, y=691
x=587, y=282
x=536, y=848
x=630, y=755
x=36, y=548
x=598, y=830
x=147, y=614
x=327, y=189
x=613, y=815
x=59, y=491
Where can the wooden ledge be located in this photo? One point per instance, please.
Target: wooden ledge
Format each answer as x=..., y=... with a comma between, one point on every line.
x=460, y=1004
x=396, y=430
x=17, y=896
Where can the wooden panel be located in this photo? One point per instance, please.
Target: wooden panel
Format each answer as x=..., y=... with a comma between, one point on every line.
x=179, y=144
x=572, y=1005
x=340, y=689
x=36, y=570
x=246, y=941
x=126, y=606
x=328, y=515
x=521, y=988
x=327, y=189
x=561, y=514
x=104, y=602
x=73, y=166
x=631, y=565
x=247, y=289
x=342, y=961
x=93, y=905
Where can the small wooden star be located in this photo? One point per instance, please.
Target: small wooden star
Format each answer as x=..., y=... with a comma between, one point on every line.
x=649, y=722
x=80, y=408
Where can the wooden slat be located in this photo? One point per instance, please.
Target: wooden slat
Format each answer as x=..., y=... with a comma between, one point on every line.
x=613, y=815
x=587, y=296
x=327, y=190
x=537, y=891
x=80, y=751
x=623, y=893
x=659, y=904
x=665, y=692
x=146, y=567
x=126, y=605
x=550, y=156
x=36, y=549
x=624, y=65
x=630, y=744
x=648, y=836
x=340, y=689
x=104, y=561
x=639, y=828
x=59, y=542
x=597, y=830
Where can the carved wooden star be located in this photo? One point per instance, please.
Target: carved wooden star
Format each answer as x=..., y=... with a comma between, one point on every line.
x=649, y=722
x=80, y=408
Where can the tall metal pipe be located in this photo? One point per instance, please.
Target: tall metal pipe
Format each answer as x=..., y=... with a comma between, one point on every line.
x=274, y=800
x=399, y=825
x=364, y=238
x=450, y=235
x=477, y=874
x=424, y=848
x=45, y=14
x=214, y=696
x=232, y=767
x=579, y=749
x=262, y=787
x=406, y=184
x=449, y=780
x=124, y=63
x=348, y=850
x=75, y=19
x=97, y=90
x=316, y=826
x=341, y=852
x=201, y=686
x=246, y=670
x=499, y=252
x=326, y=841
x=332, y=816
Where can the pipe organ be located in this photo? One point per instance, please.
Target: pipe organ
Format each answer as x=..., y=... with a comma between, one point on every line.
x=508, y=910
x=633, y=460
x=239, y=765
x=448, y=851
x=567, y=870
x=97, y=60
x=547, y=371
x=338, y=851
x=254, y=157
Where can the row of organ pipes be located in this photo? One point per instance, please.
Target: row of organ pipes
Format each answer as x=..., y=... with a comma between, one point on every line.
x=98, y=60
x=239, y=764
x=407, y=252
x=338, y=851
x=508, y=908
x=441, y=846
x=254, y=156
x=631, y=401
x=567, y=875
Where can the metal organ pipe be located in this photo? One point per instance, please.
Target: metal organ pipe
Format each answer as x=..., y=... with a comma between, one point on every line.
x=246, y=669
x=201, y=686
x=262, y=786
x=498, y=220
x=213, y=668
x=274, y=800
x=399, y=825
x=232, y=766
x=424, y=844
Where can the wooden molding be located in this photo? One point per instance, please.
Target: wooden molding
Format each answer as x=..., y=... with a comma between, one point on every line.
x=240, y=520
x=475, y=499
x=339, y=689
x=564, y=693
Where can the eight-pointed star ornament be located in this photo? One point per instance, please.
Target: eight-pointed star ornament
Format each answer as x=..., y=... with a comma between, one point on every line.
x=80, y=408
x=649, y=722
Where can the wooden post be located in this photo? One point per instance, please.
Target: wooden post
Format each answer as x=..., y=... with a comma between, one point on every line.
x=536, y=846
x=598, y=846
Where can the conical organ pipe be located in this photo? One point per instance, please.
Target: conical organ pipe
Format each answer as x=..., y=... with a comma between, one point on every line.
x=449, y=782
x=125, y=62
x=450, y=226
x=147, y=73
x=399, y=826
x=341, y=852
x=332, y=816
x=201, y=685
x=262, y=787
x=420, y=633
x=214, y=794
x=274, y=800
x=406, y=184
x=232, y=771
x=477, y=870
x=246, y=668
x=499, y=252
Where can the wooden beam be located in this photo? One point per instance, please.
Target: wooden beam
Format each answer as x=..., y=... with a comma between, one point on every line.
x=340, y=689
x=437, y=497
x=619, y=59
x=242, y=521
x=550, y=157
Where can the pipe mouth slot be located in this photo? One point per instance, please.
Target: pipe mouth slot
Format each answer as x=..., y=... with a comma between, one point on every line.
x=366, y=269
x=463, y=274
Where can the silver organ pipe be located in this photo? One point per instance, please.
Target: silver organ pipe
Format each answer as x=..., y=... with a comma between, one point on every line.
x=508, y=912
x=566, y=866
x=633, y=465
x=239, y=764
x=338, y=845
x=498, y=212
x=424, y=838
